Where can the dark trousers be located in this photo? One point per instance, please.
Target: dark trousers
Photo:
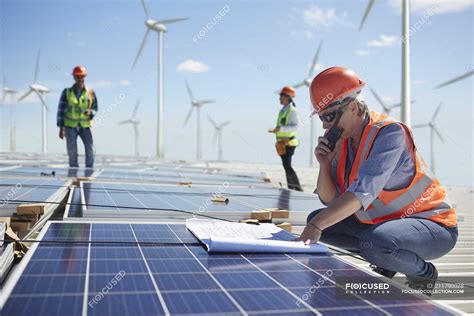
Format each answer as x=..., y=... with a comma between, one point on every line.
x=401, y=245
x=291, y=177
x=71, y=143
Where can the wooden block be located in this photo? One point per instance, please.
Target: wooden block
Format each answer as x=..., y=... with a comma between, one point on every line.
x=267, y=179
x=220, y=199
x=28, y=209
x=79, y=179
x=11, y=234
x=280, y=214
x=185, y=183
x=20, y=226
x=6, y=220
x=285, y=226
x=261, y=215
x=249, y=221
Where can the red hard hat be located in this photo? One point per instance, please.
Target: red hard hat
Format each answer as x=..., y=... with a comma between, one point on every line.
x=333, y=84
x=79, y=71
x=288, y=91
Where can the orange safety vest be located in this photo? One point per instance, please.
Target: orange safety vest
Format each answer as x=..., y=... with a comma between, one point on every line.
x=424, y=197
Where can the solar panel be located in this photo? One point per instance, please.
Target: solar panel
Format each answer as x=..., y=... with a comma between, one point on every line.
x=48, y=171
x=152, y=200
x=30, y=189
x=114, y=268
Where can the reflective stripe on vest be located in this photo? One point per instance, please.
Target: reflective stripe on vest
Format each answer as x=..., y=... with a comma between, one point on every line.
x=424, y=197
x=283, y=121
x=74, y=114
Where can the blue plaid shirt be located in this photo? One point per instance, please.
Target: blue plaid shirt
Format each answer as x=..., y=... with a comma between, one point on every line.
x=63, y=104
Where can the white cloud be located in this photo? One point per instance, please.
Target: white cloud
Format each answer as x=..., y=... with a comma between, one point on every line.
x=384, y=41
x=361, y=53
x=192, y=66
x=305, y=33
x=319, y=18
x=436, y=6
x=103, y=84
x=124, y=82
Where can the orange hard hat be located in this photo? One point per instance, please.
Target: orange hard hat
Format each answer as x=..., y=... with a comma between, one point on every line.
x=333, y=84
x=79, y=71
x=288, y=91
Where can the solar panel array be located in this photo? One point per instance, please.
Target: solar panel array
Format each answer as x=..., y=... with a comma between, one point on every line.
x=145, y=269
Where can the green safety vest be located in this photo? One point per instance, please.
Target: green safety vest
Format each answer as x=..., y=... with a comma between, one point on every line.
x=75, y=110
x=283, y=121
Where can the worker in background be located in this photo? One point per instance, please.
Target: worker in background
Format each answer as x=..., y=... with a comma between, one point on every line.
x=382, y=200
x=76, y=109
x=285, y=132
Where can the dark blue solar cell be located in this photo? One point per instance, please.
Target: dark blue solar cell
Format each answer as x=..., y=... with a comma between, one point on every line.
x=353, y=310
x=56, y=267
x=112, y=235
x=115, y=251
x=124, y=304
x=325, y=263
x=176, y=281
x=120, y=282
x=61, y=251
x=115, y=266
x=67, y=234
x=44, y=305
x=266, y=300
x=324, y=297
x=199, y=302
x=270, y=264
x=216, y=264
x=244, y=280
x=300, y=278
x=166, y=252
x=151, y=227
x=174, y=266
x=50, y=284
x=156, y=236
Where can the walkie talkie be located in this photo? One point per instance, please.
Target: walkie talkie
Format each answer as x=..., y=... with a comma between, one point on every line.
x=334, y=133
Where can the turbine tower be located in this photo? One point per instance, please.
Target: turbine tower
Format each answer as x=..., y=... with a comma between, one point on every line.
x=134, y=121
x=218, y=136
x=307, y=82
x=9, y=91
x=405, y=106
x=160, y=28
x=433, y=130
x=196, y=104
x=41, y=92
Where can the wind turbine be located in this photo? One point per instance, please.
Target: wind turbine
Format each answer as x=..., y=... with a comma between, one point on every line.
x=405, y=105
x=451, y=81
x=196, y=104
x=134, y=121
x=434, y=130
x=386, y=108
x=41, y=91
x=307, y=82
x=218, y=135
x=9, y=91
x=160, y=28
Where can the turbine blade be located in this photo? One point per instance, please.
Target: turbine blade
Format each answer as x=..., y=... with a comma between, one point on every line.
x=419, y=125
x=298, y=85
x=146, y=9
x=124, y=122
x=366, y=13
x=315, y=60
x=168, y=21
x=206, y=101
x=379, y=99
x=136, y=108
x=190, y=93
x=438, y=133
x=224, y=124
x=37, y=67
x=25, y=95
x=141, y=48
x=212, y=121
x=188, y=116
x=43, y=102
x=436, y=112
x=461, y=77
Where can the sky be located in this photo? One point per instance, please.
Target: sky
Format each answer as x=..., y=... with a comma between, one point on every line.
x=254, y=49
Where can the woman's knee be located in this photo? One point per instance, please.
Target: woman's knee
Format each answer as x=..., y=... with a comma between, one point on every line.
x=374, y=243
x=313, y=214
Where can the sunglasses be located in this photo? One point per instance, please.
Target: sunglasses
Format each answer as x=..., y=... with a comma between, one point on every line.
x=328, y=118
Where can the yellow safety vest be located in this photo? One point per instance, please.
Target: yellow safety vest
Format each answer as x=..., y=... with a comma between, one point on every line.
x=75, y=111
x=283, y=121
